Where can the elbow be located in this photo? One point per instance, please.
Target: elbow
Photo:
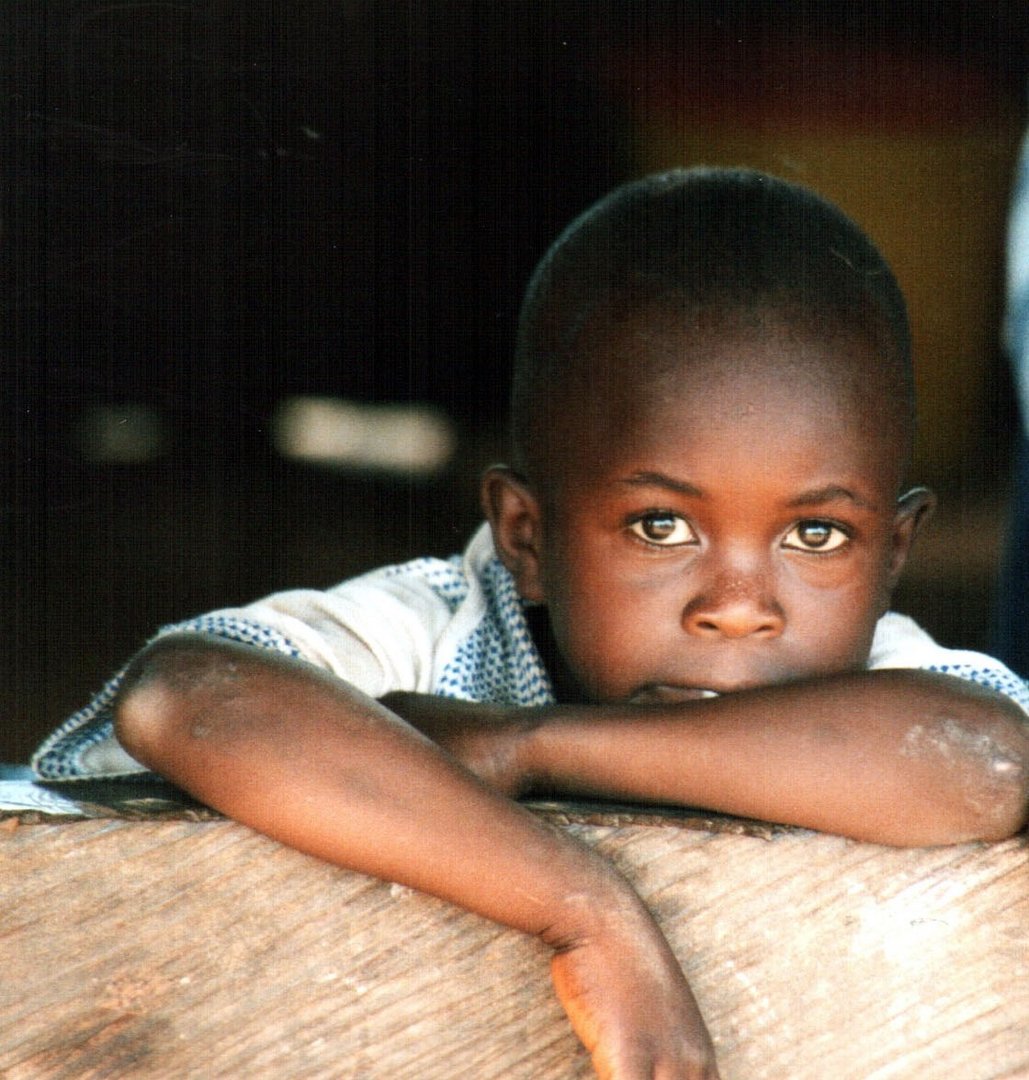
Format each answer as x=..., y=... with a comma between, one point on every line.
x=1009, y=812
x=989, y=804
x=140, y=724
x=999, y=798
x=974, y=746
x=1006, y=818
x=158, y=705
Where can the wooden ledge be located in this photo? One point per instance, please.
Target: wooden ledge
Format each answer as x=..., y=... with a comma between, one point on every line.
x=195, y=948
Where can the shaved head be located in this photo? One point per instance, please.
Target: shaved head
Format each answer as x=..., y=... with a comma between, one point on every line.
x=703, y=251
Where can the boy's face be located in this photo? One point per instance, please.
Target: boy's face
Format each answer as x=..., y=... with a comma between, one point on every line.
x=726, y=519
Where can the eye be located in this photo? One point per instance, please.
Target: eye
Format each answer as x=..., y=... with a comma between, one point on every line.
x=664, y=529
x=818, y=536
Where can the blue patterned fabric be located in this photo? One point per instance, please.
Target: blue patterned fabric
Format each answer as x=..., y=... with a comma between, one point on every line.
x=1003, y=681
x=498, y=661
x=445, y=577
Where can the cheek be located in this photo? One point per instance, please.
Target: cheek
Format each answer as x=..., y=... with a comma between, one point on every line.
x=833, y=606
x=858, y=580
x=873, y=584
x=583, y=610
x=836, y=626
x=598, y=621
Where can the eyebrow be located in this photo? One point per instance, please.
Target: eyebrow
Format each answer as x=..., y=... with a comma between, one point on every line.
x=815, y=497
x=830, y=493
x=659, y=479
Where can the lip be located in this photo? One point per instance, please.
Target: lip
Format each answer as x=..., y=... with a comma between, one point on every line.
x=665, y=694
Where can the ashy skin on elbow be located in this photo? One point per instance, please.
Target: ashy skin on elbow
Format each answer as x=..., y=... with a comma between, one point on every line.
x=987, y=760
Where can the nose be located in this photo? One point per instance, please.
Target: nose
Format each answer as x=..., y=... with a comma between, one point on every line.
x=734, y=605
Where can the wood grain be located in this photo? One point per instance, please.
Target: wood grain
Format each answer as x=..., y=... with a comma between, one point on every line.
x=184, y=948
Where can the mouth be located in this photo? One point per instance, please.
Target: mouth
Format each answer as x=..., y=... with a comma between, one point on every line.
x=665, y=694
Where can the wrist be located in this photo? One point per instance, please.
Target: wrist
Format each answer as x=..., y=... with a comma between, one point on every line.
x=528, y=747
x=544, y=736
x=603, y=907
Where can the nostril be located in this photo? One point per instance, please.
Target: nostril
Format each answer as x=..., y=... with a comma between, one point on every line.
x=734, y=622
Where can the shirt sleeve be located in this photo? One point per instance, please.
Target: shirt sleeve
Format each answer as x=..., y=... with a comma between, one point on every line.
x=901, y=643
x=379, y=632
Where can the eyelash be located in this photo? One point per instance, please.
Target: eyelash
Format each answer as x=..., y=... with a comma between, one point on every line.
x=639, y=525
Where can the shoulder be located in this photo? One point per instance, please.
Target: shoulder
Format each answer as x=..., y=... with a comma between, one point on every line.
x=381, y=630
x=901, y=643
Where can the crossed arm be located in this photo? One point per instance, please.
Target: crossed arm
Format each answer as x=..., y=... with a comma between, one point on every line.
x=893, y=757
x=415, y=789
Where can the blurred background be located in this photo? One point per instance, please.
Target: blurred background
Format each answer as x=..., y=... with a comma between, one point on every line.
x=262, y=262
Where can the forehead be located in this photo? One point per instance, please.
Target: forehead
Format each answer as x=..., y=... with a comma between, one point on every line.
x=751, y=386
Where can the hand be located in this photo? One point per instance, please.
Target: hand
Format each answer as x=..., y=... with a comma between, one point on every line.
x=630, y=1005
x=485, y=739
x=614, y=973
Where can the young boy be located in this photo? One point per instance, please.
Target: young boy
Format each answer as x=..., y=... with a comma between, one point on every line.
x=681, y=596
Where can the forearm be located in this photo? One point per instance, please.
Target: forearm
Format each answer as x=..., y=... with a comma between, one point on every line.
x=893, y=757
x=302, y=757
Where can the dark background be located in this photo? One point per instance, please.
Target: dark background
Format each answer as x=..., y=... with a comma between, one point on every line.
x=211, y=206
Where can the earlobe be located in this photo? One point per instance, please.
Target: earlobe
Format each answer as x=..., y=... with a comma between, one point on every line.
x=913, y=510
x=513, y=512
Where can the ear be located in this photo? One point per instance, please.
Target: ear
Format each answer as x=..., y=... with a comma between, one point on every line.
x=513, y=512
x=913, y=510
